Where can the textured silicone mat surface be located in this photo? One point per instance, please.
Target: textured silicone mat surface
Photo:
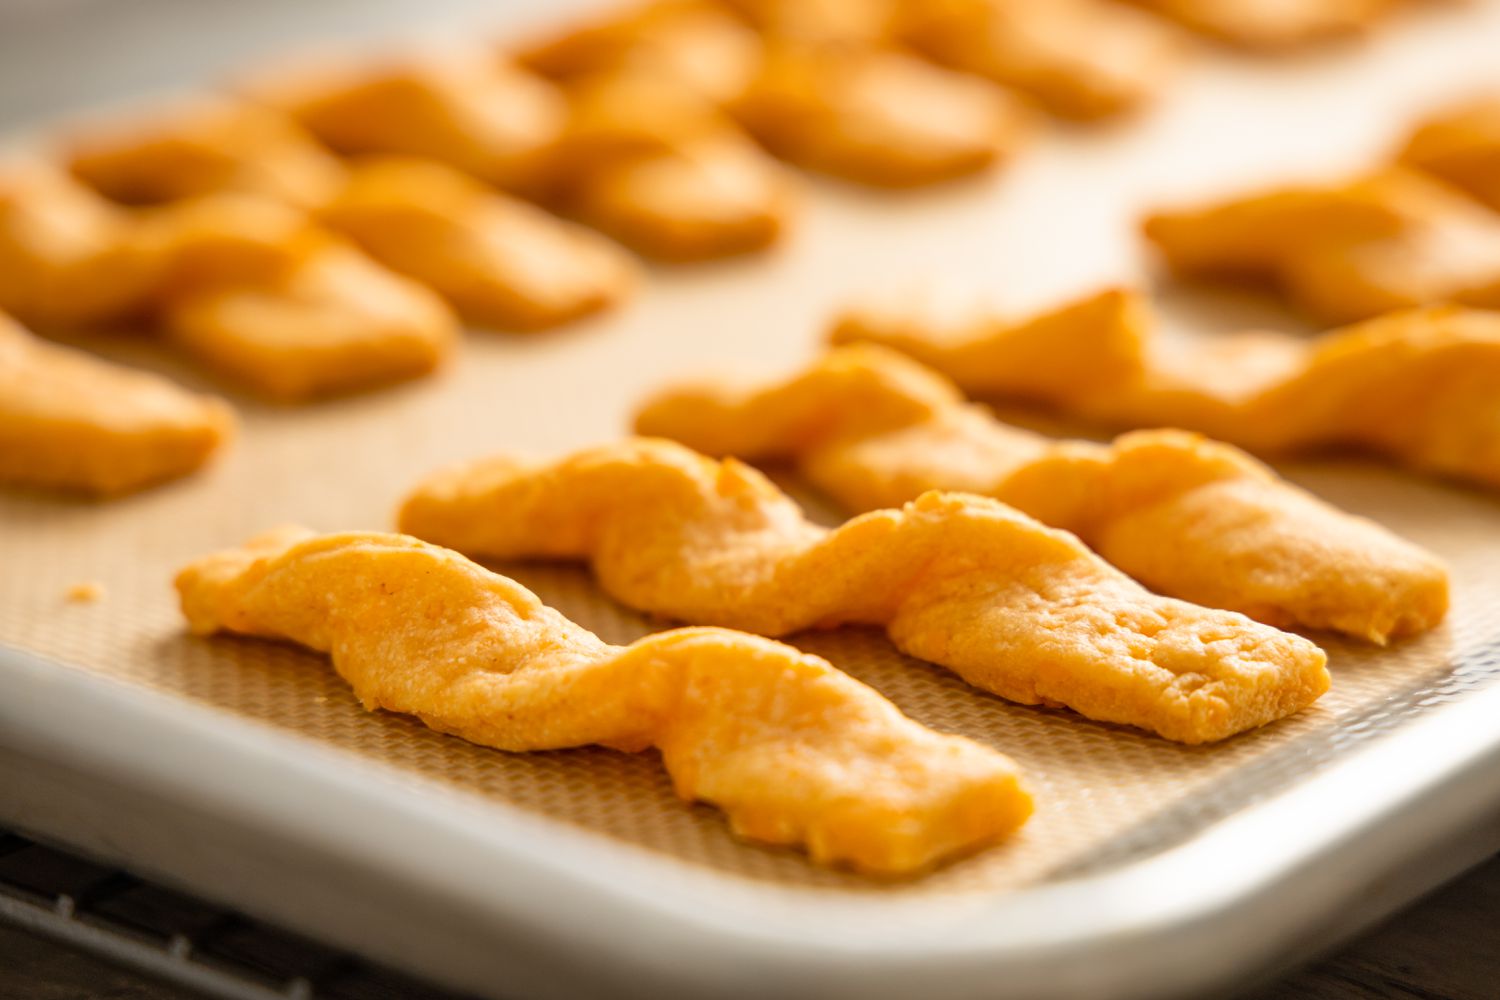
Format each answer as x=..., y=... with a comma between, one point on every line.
x=1060, y=220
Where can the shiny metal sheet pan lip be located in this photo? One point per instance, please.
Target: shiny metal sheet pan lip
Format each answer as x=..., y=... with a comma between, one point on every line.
x=522, y=907
x=342, y=826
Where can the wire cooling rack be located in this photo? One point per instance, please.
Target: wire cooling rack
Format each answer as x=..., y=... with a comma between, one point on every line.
x=177, y=937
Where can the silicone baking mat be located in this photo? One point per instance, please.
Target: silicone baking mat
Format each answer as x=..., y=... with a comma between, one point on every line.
x=1059, y=220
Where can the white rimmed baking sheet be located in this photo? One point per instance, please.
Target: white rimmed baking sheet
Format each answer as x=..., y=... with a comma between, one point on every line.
x=1058, y=220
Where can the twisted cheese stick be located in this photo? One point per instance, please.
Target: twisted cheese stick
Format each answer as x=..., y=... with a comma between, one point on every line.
x=68, y=258
x=794, y=751
x=1080, y=59
x=1011, y=606
x=201, y=146
x=1071, y=353
x=71, y=421
x=462, y=107
x=823, y=88
x=876, y=116
x=1461, y=145
x=661, y=168
x=1271, y=26
x=697, y=43
x=1419, y=387
x=617, y=150
x=866, y=22
x=1186, y=516
x=1390, y=240
x=498, y=260
x=252, y=288
x=243, y=282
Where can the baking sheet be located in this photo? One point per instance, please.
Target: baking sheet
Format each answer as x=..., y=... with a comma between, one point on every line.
x=1058, y=221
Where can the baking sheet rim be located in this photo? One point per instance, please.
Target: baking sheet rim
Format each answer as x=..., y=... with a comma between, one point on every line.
x=1134, y=923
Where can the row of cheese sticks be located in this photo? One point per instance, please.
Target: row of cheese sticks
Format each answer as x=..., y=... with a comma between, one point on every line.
x=1418, y=388
x=1016, y=608
x=794, y=751
x=410, y=235
x=821, y=85
x=1077, y=59
x=71, y=257
x=1422, y=228
x=248, y=285
x=990, y=560
x=634, y=128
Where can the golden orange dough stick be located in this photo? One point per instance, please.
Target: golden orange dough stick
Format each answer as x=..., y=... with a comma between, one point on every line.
x=498, y=261
x=1419, y=387
x=876, y=116
x=1188, y=517
x=693, y=42
x=1273, y=24
x=866, y=21
x=205, y=145
x=282, y=306
x=68, y=258
x=1076, y=58
x=69, y=421
x=662, y=169
x=1390, y=240
x=1013, y=607
x=1074, y=351
x=1080, y=59
x=462, y=107
x=703, y=195
x=1461, y=145
x=794, y=751
x=714, y=197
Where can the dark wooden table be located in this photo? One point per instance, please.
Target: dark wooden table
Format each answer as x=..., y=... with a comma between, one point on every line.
x=1447, y=947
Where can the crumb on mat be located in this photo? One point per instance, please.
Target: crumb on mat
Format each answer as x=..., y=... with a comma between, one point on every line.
x=86, y=592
